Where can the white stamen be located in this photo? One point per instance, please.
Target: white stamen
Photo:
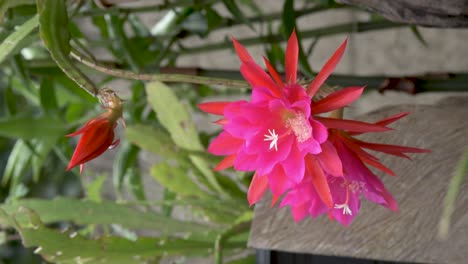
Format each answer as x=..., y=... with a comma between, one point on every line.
x=345, y=207
x=273, y=137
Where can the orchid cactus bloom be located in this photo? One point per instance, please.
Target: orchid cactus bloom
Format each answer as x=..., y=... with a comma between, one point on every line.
x=98, y=134
x=275, y=132
x=312, y=160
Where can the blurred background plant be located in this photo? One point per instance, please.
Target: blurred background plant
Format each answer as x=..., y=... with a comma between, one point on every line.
x=160, y=199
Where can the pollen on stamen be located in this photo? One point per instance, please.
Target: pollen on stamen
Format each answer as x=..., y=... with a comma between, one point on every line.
x=273, y=137
x=300, y=126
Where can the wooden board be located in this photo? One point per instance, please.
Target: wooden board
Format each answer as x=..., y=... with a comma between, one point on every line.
x=433, y=13
x=377, y=233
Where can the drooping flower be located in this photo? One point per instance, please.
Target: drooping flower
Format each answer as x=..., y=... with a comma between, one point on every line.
x=98, y=134
x=358, y=180
x=274, y=132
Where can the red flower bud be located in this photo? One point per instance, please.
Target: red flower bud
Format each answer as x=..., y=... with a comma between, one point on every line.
x=98, y=134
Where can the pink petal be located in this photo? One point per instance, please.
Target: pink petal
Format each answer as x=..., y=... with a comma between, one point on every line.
x=294, y=165
x=326, y=70
x=273, y=73
x=257, y=188
x=225, y=144
x=216, y=108
x=337, y=100
x=329, y=160
x=319, y=179
x=278, y=181
x=351, y=125
x=292, y=51
x=227, y=162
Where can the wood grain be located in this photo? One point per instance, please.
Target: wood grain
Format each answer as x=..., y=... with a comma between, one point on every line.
x=409, y=235
x=433, y=13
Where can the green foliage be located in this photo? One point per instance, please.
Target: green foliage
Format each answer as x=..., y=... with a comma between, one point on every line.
x=163, y=197
x=18, y=39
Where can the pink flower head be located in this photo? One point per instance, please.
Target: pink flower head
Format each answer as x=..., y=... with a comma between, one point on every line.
x=274, y=134
x=357, y=179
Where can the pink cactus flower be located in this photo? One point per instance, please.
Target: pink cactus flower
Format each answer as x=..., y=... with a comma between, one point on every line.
x=274, y=132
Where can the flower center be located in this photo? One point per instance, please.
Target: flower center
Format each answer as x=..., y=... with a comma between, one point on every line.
x=300, y=126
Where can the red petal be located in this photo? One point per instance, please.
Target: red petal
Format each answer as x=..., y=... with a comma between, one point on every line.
x=351, y=125
x=292, y=51
x=391, y=149
x=378, y=165
x=94, y=141
x=215, y=108
x=326, y=70
x=257, y=188
x=392, y=119
x=319, y=180
x=358, y=150
x=274, y=199
x=221, y=121
x=257, y=77
x=227, y=162
x=273, y=73
x=242, y=52
x=388, y=120
x=329, y=160
x=337, y=100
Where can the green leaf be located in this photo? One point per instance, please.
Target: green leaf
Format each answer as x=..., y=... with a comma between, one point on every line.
x=17, y=163
x=125, y=160
x=213, y=18
x=237, y=13
x=27, y=127
x=42, y=149
x=451, y=197
x=10, y=100
x=47, y=95
x=134, y=181
x=15, y=41
x=88, y=212
x=53, y=26
x=245, y=260
x=71, y=247
x=154, y=140
x=175, y=117
x=419, y=36
x=176, y=180
x=93, y=189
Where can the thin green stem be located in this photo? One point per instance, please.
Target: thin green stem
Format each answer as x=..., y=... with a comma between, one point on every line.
x=115, y=10
x=313, y=33
x=182, y=78
x=221, y=239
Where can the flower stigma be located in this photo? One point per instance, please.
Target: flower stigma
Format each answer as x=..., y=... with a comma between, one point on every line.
x=273, y=137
